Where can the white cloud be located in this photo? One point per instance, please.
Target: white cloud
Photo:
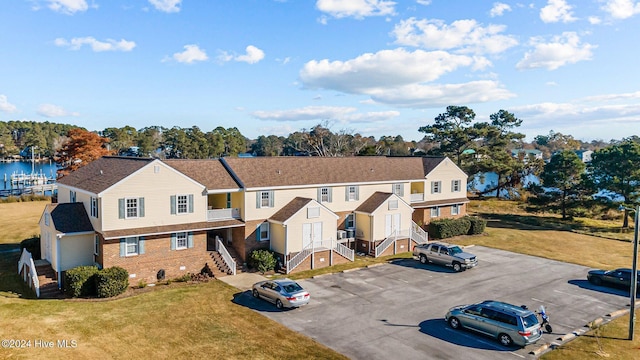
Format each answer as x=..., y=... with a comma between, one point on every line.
x=462, y=35
x=386, y=68
x=439, y=95
x=498, y=9
x=557, y=10
x=191, y=54
x=622, y=9
x=97, y=46
x=594, y=20
x=321, y=113
x=6, y=106
x=358, y=9
x=168, y=6
x=252, y=56
x=562, y=50
x=49, y=110
x=424, y=2
x=68, y=7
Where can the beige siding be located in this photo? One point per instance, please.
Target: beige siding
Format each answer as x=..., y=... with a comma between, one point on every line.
x=76, y=251
x=380, y=219
x=237, y=201
x=48, y=232
x=294, y=227
x=363, y=226
x=278, y=237
x=446, y=172
x=338, y=203
x=156, y=189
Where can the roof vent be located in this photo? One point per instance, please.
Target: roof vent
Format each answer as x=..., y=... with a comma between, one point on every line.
x=101, y=172
x=278, y=171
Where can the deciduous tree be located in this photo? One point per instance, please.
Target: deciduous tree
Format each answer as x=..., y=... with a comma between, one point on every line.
x=81, y=148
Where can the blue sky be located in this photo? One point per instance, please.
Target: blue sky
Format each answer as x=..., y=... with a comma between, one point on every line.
x=376, y=67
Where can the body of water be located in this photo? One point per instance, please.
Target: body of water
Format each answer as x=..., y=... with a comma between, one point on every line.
x=47, y=169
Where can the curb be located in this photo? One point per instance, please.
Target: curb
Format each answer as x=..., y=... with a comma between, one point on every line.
x=617, y=313
x=374, y=265
x=540, y=349
x=350, y=270
x=321, y=275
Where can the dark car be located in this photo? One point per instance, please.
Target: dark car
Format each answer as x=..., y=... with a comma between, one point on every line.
x=617, y=278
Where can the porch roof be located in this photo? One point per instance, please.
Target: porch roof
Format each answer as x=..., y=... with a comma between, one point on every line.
x=444, y=202
x=373, y=202
x=290, y=209
x=69, y=217
x=167, y=229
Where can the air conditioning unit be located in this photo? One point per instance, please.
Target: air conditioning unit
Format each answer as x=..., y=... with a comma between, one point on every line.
x=350, y=233
x=342, y=234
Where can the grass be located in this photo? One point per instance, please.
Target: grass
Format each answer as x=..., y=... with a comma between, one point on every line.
x=19, y=220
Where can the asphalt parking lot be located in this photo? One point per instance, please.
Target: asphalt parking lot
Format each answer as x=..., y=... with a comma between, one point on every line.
x=396, y=311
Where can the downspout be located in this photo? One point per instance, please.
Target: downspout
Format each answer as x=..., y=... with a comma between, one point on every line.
x=286, y=245
x=58, y=261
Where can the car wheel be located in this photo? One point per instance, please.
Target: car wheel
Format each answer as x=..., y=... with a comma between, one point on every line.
x=256, y=294
x=505, y=339
x=454, y=322
x=457, y=267
x=596, y=281
x=279, y=304
x=423, y=259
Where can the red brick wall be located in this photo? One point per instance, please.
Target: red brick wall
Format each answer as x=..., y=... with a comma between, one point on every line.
x=317, y=260
x=158, y=255
x=249, y=241
x=422, y=216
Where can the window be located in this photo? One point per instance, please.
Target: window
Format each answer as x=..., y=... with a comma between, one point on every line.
x=350, y=221
x=94, y=207
x=436, y=187
x=264, y=199
x=324, y=195
x=263, y=231
x=181, y=204
x=455, y=185
x=72, y=196
x=96, y=245
x=131, y=246
x=455, y=209
x=435, y=212
x=132, y=208
x=351, y=193
x=393, y=204
x=47, y=218
x=313, y=212
x=181, y=240
x=398, y=189
x=228, y=200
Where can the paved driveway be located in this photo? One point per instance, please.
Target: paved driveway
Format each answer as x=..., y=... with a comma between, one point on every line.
x=396, y=311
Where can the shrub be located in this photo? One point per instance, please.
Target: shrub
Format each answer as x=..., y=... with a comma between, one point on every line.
x=184, y=278
x=32, y=245
x=446, y=228
x=142, y=284
x=477, y=225
x=263, y=260
x=80, y=281
x=111, y=281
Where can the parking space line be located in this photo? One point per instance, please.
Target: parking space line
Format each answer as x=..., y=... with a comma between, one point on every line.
x=516, y=354
x=474, y=338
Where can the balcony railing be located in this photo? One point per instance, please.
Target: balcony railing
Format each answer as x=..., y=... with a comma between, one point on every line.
x=223, y=214
x=417, y=197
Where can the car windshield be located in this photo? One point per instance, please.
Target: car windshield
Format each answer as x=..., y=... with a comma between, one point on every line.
x=529, y=320
x=292, y=287
x=455, y=250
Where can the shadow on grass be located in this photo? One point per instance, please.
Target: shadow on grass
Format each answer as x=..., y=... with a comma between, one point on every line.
x=244, y=298
x=11, y=284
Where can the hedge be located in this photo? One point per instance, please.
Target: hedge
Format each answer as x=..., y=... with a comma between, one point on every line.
x=446, y=228
x=80, y=281
x=111, y=281
x=263, y=260
x=32, y=245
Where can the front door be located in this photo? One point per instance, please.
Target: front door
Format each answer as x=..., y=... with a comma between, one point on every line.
x=311, y=232
x=47, y=246
x=392, y=224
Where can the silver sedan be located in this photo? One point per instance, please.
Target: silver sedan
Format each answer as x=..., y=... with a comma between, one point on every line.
x=283, y=293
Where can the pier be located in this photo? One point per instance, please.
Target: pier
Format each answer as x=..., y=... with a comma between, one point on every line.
x=45, y=189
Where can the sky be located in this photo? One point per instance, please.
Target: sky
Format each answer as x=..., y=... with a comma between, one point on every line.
x=273, y=67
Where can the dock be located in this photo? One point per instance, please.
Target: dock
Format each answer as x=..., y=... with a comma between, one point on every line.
x=30, y=190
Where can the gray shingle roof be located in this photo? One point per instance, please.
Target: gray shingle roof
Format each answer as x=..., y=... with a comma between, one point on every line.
x=69, y=217
x=373, y=202
x=101, y=174
x=210, y=173
x=290, y=209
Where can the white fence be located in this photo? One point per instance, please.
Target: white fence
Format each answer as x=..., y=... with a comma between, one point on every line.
x=225, y=255
x=223, y=214
x=31, y=276
x=319, y=245
x=415, y=233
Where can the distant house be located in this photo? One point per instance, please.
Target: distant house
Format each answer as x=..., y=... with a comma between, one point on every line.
x=525, y=154
x=584, y=155
x=159, y=218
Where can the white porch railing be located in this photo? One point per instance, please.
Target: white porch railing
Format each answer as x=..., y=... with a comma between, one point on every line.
x=223, y=214
x=298, y=258
x=384, y=245
x=417, y=197
x=418, y=234
x=344, y=251
x=225, y=255
x=27, y=260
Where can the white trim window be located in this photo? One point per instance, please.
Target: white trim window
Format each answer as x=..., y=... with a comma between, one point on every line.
x=72, y=196
x=455, y=186
x=393, y=204
x=313, y=212
x=325, y=195
x=47, y=218
x=181, y=240
x=436, y=187
x=398, y=189
x=264, y=199
x=262, y=232
x=182, y=204
x=131, y=246
x=94, y=207
x=435, y=212
x=131, y=208
x=352, y=193
x=455, y=209
x=350, y=221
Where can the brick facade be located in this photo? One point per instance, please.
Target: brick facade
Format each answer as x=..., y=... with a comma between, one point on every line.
x=249, y=240
x=422, y=216
x=158, y=255
x=321, y=259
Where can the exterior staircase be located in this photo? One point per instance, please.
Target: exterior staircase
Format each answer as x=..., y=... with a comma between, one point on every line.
x=48, y=282
x=220, y=268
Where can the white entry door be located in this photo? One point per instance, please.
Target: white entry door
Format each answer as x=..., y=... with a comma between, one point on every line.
x=47, y=246
x=392, y=224
x=311, y=232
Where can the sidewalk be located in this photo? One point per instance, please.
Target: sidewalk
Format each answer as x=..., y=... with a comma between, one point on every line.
x=243, y=281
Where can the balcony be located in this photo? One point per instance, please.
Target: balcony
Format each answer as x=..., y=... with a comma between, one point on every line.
x=417, y=197
x=223, y=214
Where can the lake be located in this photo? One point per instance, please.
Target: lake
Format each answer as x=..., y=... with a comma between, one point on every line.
x=47, y=169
